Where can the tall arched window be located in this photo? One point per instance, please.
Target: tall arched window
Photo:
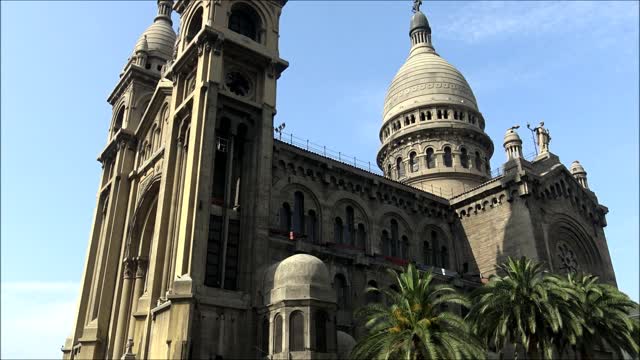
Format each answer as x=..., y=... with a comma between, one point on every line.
x=428, y=115
x=478, y=159
x=386, y=243
x=350, y=228
x=194, y=25
x=431, y=160
x=340, y=287
x=298, y=212
x=448, y=160
x=361, y=238
x=400, y=167
x=244, y=21
x=394, y=237
x=277, y=334
x=296, y=331
x=285, y=217
x=117, y=124
x=321, y=331
x=337, y=231
x=464, y=158
x=413, y=164
x=312, y=226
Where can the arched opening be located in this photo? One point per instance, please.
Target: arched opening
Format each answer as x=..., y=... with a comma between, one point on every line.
x=448, y=159
x=285, y=217
x=429, y=117
x=337, y=230
x=296, y=331
x=464, y=158
x=277, y=332
x=478, y=159
x=400, y=167
x=245, y=21
x=350, y=228
x=413, y=164
x=194, y=25
x=117, y=124
x=386, y=243
x=362, y=237
x=298, y=212
x=394, y=237
x=427, y=253
x=431, y=160
x=321, y=331
x=404, y=247
x=342, y=294
x=220, y=162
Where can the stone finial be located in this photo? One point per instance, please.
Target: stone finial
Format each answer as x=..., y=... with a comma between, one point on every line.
x=416, y=5
x=579, y=174
x=512, y=143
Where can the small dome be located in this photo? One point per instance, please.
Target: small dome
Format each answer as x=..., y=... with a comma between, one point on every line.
x=419, y=20
x=512, y=136
x=160, y=38
x=142, y=45
x=301, y=269
x=576, y=168
x=345, y=344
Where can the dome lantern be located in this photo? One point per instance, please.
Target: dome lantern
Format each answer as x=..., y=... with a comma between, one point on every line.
x=579, y=174
x=513, y=144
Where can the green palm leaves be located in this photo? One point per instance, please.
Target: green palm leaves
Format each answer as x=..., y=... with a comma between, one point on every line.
x=414, y=326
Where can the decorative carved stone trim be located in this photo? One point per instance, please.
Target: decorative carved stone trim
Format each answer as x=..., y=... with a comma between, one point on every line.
x=141, y=269
x=128, y=268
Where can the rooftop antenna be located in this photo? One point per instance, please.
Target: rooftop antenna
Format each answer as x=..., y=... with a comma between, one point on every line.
x=533, y=137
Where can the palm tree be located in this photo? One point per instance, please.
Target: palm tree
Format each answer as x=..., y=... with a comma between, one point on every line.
x=605, y=312
x=524, y=307
x=414, y=326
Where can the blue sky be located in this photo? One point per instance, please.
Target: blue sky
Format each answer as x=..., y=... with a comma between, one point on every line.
x=572, y=64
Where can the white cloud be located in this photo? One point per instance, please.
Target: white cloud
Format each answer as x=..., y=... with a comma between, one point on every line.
x=40, y=312
x=483, y=20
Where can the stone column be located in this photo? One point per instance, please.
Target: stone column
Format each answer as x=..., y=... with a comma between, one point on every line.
x=128, y=272
x=138, y=288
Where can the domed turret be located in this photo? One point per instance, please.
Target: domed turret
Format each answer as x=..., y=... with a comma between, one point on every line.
x=158, y=39
x=512, y=144
x=579, y=174
x=302, y=276
x=432, y=133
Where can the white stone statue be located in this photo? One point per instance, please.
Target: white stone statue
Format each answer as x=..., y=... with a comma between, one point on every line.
x=542, y=137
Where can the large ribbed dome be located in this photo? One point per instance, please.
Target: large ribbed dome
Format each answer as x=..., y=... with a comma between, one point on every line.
x=160, y=39
x=426, y=78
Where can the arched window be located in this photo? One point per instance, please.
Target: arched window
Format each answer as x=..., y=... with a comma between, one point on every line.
x=461, y=115
x=413, y=164
x=444, y=257
x=478, y=160
x=445, y=114
x=312, y=226
x=285, y=217
x=400, y=167
x=372, y=296
x=455, y=115
x=439, y=114
x=117, y=124
x=448, y=160
x=277, y=334
x=428, y=115
x=361, y=238
x=428, y=253
x=350, y=228
x=337, y=231
x=296, y=331
x=435, y=243
x=406, y=121
x=298, y=212
x=244, y=21
x=194, y=25
x=340, y=287
x=422, y=117
x=464, y=158
x=431, y=160
x=394, y=237
x=264, y=334
x=321, y=331
x=386, y=243
x=404, y=253
x=487, y=165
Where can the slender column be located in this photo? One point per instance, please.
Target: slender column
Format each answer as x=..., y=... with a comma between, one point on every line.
x=138, y=288
x=128, y=272
x=225, y=214
x=174, y=210
x=179, y=198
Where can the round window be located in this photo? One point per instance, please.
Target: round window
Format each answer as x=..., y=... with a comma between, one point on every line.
x=237, y=83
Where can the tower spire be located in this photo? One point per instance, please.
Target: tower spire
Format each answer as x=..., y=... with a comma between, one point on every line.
x=419, y=31
x=164, y=11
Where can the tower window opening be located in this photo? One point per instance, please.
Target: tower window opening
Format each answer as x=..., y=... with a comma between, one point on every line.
x=461, y=115
x=117, y=124
x=428, y=115
x=464, y=158
x=321, y=331
x=413, y=119
x=194, y=25
x=445, y=114
x=220, y=163
x=478, y=160
x=413, y=164
x=296, y=331
x=448, y=159
x=487, y=165
x=277, y=332
x=422, y=116
x=439, y=114
x=389, y=171
x=400, y=167
x=244, y=21
x=455, y=115
x=431, y=161
x=406, y=121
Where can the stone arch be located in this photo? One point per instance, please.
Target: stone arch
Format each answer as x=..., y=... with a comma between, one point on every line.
x=566, y=230
x=193, y=24
x=436, y=247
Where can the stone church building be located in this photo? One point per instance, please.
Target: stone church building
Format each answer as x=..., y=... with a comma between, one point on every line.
x=213, y=239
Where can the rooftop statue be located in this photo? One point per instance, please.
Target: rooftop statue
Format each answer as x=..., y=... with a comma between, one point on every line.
x=416, y=5
x=542, y=137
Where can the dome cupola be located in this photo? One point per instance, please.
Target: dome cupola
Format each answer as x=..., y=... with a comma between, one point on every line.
x=579, y=174
x=432, y=133
x=512, y=143
x=156, y=43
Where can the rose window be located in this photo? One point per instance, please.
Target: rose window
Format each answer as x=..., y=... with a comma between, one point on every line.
x=237, y=83
x=568, y=259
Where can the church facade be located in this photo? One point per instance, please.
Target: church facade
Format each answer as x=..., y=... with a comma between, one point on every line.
x=212, y=239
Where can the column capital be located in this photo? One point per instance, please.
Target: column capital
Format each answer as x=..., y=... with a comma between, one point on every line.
x=128, y=268
x=141, y=269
